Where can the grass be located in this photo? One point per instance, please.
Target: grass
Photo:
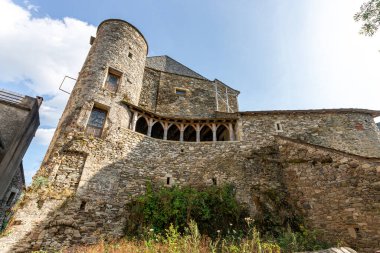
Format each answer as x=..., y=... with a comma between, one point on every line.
x=190, y=241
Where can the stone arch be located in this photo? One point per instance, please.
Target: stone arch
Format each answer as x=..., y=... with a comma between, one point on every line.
x=157, y=130
x=222, y=133
x=190, y=134
x=174, y=134
x=206, y=133
x=142, y=125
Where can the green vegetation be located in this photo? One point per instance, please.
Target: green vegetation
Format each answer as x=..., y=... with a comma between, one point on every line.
x=209, y=219
x=171, y=240
x=369, y=15
x=167, y=216
x=213, y=209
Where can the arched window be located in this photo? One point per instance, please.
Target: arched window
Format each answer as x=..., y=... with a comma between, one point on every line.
x=206, y=133
x=157, y=131
x=222, y=133
x=142, y=126
x=173, y=133
x=190, y=134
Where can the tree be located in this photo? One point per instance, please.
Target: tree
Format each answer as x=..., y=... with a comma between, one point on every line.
x=369, y=14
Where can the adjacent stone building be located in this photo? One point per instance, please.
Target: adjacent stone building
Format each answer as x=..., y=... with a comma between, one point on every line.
x=133, y=119
x=19, y=121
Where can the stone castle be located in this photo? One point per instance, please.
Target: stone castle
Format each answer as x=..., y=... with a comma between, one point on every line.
x=133, y=119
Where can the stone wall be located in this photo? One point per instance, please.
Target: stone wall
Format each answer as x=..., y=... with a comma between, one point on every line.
x=338, y=193
x=110, y=51
x=348, y=131
x=10, y=116
x=11, y=195
x=115, y=169
x=158, y=95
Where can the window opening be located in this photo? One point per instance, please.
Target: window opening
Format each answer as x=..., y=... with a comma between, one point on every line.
x=173, y=133
x=222, y=133
x=130, y=55
x=157, y=131
x=82, y=205
x=278, y=126
x=179, y=91
x=112, y=82
x=96, y=122
x=190, y=134
x=168, y=180
x=206, y=134
x=10, y=198
x=142, y=126
x=214, y=181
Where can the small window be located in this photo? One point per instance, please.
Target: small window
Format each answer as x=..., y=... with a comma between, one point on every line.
x=112, y=82
x=181, y=92
x=278, y=127
x=168, y=180
x=96, y=122
x=130, y=55
x=82, y=205
x=11, y=198
x=214, y=182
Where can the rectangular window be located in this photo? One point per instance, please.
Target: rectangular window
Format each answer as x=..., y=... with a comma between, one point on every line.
x=179, y=91
x=96, y=122
x=10, y=198
x=112, y=82
x=278, y=127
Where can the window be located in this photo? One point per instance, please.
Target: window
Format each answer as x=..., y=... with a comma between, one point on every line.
x=82, y=205
x=130, y=55
x=278, y=127
x=96, y=122
x=112, y=81
x=181, y=92
x=168, y=180
x=10, y=198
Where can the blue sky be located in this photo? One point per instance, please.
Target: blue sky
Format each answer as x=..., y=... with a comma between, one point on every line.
x=279, y=54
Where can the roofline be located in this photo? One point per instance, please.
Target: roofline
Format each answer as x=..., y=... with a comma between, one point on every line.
x=179, y=63
x=134, y=27
x=373, y=113
x=198, y=78
x=337, y=151
x=217, y=80
x=233, y=116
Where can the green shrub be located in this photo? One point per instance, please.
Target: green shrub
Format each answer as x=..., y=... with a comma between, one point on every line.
x=304, y=240
x=212, y=208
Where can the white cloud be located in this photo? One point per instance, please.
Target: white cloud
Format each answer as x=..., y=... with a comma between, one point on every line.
x=37, y=53
x=44, y=136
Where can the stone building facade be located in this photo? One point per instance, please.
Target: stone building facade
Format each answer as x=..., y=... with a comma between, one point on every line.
x=133, y=119
x=19, y=122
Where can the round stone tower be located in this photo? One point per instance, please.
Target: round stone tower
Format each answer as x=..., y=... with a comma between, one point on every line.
x=112, y=72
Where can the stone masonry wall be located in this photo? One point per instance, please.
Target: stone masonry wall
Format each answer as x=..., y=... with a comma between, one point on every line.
x=158, y=94
x=115, y=40
x=338, y=193
x=10, y=117
x=351, y=132
x=115, y=169
x=16, y=186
